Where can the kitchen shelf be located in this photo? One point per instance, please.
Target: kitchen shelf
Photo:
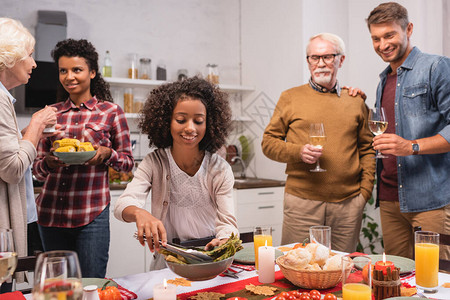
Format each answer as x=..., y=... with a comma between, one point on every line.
x=144, y=83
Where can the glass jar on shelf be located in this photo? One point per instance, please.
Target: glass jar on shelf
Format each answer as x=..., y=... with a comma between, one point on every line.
x=133, y=67
x=145, y=68
x=128, y=100
x=212, y=73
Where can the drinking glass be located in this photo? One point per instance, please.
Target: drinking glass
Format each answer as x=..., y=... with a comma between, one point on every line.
x=261, y=235
x=8, y=257
x=356, y=283
x=377, y=124
x=317, y=138
x=320, y=235
x=427, y=260
x=57, y=276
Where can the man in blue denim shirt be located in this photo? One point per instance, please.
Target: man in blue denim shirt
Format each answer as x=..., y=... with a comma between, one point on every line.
x=414, y=180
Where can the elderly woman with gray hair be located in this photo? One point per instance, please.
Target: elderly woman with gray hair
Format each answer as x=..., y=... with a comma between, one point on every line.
x=17, y=148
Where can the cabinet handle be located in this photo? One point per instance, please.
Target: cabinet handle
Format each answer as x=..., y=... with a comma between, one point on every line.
x=268, y=206
x=266, y=193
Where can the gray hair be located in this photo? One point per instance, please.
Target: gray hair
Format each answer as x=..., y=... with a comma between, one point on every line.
x=16, y=42
x=332, y=38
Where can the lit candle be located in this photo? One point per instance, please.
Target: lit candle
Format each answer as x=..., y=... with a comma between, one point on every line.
x=237, y=298
x=383, y=265
x=163, y=291
x=266, y=271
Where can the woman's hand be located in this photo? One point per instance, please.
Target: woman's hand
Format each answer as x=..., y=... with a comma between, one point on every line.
x=146, y=224
x=52, y=161
x=103, y=154
x=44, y=117
x=215, y=243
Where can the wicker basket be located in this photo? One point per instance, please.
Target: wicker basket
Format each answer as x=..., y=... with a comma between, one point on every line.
x=310, y=279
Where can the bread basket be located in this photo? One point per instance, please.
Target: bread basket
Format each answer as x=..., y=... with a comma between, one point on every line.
x=310, y=279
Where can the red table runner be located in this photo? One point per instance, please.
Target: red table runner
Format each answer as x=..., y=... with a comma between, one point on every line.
x=237, y=289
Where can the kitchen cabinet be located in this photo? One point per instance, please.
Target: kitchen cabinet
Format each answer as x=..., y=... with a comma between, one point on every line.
x=126, y=255
x=260, y=207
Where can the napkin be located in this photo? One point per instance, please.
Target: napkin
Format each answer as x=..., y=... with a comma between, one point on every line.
x=12, y=296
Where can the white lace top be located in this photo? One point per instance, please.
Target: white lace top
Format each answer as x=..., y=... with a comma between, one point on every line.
x=191, y=211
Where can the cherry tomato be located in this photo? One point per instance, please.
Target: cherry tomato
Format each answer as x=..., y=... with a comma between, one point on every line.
x=284, y=294
x=291, y=297
x=330, y=296
x=314, y=297
x=295, y=293
x=304, y=296
x=314, y=292
x=304, y=293
x=280, y=298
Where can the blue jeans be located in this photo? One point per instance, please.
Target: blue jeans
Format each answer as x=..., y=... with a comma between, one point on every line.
x=90, y=242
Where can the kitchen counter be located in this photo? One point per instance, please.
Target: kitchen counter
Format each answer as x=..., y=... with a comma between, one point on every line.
x=240, y=183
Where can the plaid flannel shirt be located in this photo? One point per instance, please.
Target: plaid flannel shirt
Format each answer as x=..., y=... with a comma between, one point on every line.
x=75, y=195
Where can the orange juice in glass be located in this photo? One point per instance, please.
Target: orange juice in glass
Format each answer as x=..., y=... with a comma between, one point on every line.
x=356, y=291
x=353, y=285
x=260, y=236
x=427, y=260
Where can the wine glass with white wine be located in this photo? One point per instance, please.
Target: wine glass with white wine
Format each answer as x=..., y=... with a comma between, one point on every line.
x=8, y=257
x=317, y=138
x=377, y=124
x=57, y=276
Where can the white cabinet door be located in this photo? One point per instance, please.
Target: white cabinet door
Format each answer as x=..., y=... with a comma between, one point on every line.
x=126, y=255
x=260, y=207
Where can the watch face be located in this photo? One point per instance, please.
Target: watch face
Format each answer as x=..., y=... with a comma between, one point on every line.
x=415, y=147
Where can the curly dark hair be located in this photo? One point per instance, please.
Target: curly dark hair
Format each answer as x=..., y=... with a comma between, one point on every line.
x=156, y=115
x=84, y=49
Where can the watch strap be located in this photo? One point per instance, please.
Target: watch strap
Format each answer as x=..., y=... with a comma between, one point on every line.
x=415, y=147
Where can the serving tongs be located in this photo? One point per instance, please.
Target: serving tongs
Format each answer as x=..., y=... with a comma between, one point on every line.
x=192, y=256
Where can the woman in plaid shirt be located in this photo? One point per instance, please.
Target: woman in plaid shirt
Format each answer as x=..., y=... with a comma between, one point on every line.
x=73, y=208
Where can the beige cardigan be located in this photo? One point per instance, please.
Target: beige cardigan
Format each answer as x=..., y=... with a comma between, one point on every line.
x=16, y=155
x=153, y=174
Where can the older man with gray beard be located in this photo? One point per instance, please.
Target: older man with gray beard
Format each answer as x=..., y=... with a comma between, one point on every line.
x=337, y=196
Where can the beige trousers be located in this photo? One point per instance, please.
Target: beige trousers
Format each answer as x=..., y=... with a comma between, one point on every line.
x=398, y=227
x=344, y=218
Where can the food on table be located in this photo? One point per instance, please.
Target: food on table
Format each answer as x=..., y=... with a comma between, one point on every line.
x=66, y=142
x=118, y=177
x=109, y=292
x=66, y=149
x=315, y=257
x=233, y=245
x=311, y=295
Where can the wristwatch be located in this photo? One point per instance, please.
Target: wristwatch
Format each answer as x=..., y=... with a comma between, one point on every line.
x=415, y=147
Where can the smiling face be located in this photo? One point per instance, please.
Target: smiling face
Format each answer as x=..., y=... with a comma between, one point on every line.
x=188, y=125
x=75, y=77
x=322, y=73
x=20, y=73
x=391, y=42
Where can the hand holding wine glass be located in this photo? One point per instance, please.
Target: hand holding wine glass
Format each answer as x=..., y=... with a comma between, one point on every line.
x=57, y=275
x=8, y=257
x=317, y=138
x=377, y=124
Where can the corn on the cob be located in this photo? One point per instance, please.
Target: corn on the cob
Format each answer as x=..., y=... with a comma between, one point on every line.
x=66, y=142
x=66, y=149
x=86, y=146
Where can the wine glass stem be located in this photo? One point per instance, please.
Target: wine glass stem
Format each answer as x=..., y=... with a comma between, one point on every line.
x=317, y=165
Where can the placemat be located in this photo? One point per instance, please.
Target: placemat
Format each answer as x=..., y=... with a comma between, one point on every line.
x=126, y=294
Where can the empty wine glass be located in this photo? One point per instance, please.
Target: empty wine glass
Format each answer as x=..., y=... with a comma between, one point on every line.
x=57, y=276
x=317, y=138
x=8, y=257
x=377, y=124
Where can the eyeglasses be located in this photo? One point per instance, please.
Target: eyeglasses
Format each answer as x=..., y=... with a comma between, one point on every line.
x=327, y=59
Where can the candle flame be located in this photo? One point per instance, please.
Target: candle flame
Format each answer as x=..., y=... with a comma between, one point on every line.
x=384, y=258
x=266, y=243
x=165, y=283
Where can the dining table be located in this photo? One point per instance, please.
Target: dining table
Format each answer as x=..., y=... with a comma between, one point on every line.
x=141, y=285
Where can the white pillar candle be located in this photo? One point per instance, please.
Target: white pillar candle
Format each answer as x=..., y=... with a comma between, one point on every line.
x=266, y=259
x=163, y=291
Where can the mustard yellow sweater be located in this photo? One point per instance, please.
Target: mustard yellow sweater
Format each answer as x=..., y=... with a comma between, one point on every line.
x=347, y=155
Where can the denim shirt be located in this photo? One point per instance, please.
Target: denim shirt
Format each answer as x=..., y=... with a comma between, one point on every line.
x=422, y=109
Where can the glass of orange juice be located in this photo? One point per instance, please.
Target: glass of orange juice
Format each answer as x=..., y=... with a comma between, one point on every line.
x=261, y=235
x=427, y=260
x=355, y=286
